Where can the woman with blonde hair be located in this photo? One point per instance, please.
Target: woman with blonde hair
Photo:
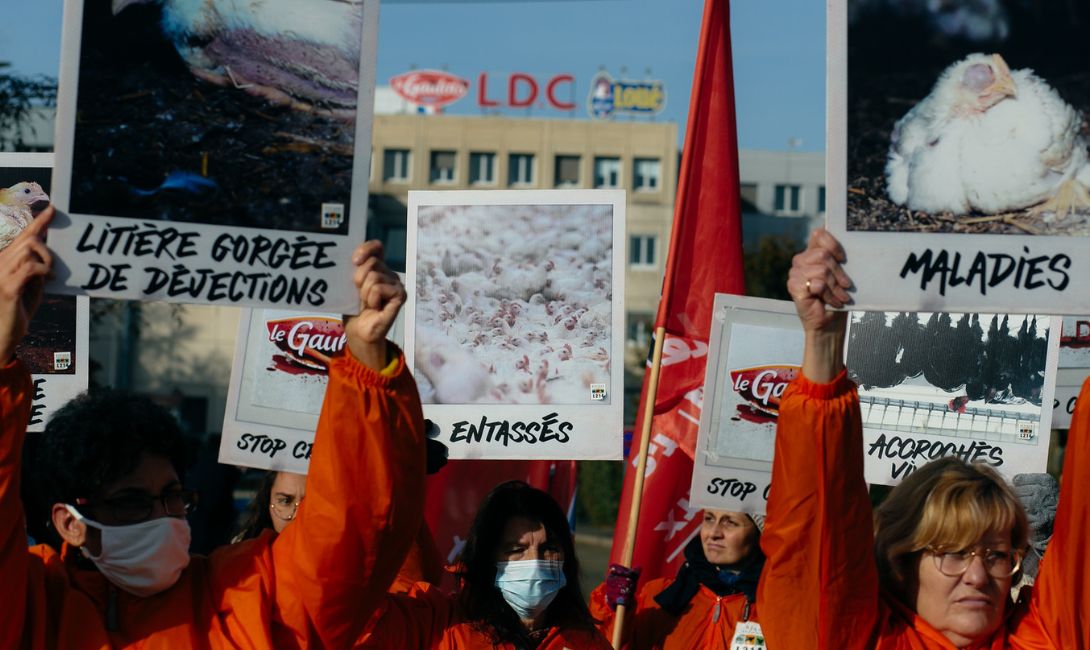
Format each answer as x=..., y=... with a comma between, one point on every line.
x=933, y=567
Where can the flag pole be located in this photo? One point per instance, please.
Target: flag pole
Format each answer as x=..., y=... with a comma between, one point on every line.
x=641, y=469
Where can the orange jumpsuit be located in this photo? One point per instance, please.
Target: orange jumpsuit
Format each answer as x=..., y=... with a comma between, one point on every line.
x=708, y=622
x=819, y=589
x=429, y=619
x=313, y=586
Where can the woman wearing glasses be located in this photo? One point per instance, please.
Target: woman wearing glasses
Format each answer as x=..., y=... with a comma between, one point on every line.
x=275, y=504
x=947, y=542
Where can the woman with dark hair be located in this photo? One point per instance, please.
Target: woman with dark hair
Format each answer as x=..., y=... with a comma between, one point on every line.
x=275, y=504
x=519, y=586
x=709, y=603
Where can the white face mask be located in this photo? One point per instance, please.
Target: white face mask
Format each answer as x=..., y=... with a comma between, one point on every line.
x=143, y=559
x=529, y=586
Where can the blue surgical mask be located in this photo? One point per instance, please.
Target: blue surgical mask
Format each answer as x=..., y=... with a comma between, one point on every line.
x=529, y=586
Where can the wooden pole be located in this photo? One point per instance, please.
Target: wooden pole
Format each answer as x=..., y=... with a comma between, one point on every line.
x=641, y=468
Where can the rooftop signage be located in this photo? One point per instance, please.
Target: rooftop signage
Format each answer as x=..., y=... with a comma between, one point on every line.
x=430, y=87
x=608, y=97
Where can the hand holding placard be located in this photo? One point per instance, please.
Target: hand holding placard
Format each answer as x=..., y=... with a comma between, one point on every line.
x=816, y=280
x=381, y=297
x=23, y=267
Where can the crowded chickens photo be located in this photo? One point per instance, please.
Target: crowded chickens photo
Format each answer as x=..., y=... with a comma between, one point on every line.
x=968, y=117
x=514, y=304
x=225, y=112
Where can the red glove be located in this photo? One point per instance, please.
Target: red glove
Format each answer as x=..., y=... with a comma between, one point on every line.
x=621, y=585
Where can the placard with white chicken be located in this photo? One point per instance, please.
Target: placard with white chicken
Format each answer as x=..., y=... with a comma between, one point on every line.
x=55, y=347
x=754, y=352
x=954, y=119
x=978, y=386
x=515, y=320
x=214, y=151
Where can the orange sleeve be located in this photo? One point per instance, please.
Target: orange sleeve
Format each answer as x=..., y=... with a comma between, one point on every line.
x=422, y=564
x=363, y=508
x=418, y=618
x=1060, y=603
x=15, y=399
x=819, y=587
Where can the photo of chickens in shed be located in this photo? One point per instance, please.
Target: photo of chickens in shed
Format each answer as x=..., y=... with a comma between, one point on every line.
x=223, y=112
x=49, y=348
x=514, y=304
x=969, y=117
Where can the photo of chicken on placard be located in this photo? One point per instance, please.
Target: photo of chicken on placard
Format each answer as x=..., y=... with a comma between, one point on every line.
x=49, y=347
x=220, y=112
x=968, y=117
x=514, y=304
x=954, y=374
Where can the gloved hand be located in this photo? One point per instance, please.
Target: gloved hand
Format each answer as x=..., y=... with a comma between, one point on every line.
x=621, y=585
x=1039, y=494
x=436, y=451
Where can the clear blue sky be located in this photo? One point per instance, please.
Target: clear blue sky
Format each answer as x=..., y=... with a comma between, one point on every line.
x=779, y=51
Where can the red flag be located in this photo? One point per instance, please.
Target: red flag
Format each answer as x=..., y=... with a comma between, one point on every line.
x=455, y=493
x=705, y=258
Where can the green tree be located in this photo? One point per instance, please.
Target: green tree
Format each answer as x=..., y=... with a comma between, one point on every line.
x=19, y=96
x=766, y=268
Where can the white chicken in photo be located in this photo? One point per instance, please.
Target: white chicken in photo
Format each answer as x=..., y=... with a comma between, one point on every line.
x=16, y=209
x=992, y=141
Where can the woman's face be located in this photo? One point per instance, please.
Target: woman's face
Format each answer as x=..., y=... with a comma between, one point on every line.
x=966, y=608
x=288, y=491
x=727, y=537
x=526, y=539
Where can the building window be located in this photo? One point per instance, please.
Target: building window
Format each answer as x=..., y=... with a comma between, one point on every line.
x=607, y=172
x=482, y=168
x=442, y=167
x=395, y=165
x=641, y=251
x=748, y=192
x=566, y=172
x=821, y=200
x=787, y=199
x=640, y=328
x=648, y=174
x=520, y=169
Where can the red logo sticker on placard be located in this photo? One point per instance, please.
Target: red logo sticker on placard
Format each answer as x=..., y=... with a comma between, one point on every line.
x=763, y=386
x=307, y=342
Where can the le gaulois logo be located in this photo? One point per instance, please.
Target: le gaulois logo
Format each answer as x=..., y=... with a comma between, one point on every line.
x=430, y=87
x=308, y=342
x=763, y=386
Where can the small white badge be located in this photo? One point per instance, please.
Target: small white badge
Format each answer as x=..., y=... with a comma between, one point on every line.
x=747, y=636
x=597, y=392
x=62, y=360
x=332, y=215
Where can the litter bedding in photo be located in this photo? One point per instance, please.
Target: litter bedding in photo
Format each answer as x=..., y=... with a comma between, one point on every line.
x=155, y=142
x=514, y=303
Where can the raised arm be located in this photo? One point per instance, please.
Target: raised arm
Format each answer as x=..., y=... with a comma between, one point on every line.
x=23, y=267
x=819, y=587
x=1060, y=605
x=365, y=486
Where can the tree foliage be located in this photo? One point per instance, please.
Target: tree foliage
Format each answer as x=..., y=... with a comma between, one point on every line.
x=19, y=95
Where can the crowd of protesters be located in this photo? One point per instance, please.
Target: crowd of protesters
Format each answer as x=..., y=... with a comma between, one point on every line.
x=340, y=558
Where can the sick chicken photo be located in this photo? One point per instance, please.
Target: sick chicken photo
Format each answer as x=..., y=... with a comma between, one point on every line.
x=968, y=117
x=514, y=304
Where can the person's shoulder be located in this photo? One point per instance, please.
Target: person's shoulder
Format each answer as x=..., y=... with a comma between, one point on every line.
x=590, y=639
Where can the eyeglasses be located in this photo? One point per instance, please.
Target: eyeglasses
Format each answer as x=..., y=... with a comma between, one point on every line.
x=999, y=564
x=285, y=507
x=135, y=508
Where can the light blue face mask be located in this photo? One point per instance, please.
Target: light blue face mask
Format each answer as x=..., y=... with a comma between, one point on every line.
x=529, y=586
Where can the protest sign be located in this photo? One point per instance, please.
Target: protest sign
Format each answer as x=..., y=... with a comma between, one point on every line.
x=214, y=155
x=1074, y=367
x=958, y=179
x=975, y=386
x=754, y=351
x=278, y=382
x=514, y=318
x=55, y=347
